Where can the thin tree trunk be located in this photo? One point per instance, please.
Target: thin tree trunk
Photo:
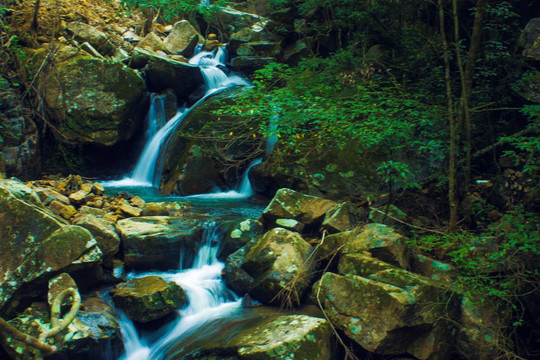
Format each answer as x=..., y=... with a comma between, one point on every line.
x=476, y=41
x=452, y=171
x=35, y=24
x=464, y=111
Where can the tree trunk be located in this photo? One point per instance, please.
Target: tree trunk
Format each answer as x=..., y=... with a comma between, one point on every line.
x=35, y=24
x=452, y=171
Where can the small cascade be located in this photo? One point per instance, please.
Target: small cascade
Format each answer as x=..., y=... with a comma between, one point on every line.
x=149, y=167
x=208, y=299
x=242, y=191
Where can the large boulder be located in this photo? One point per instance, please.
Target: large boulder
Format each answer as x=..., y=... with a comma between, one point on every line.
x=199, y=154
x=37, y=244
x=394, y=311
x=19, y=146
x=90, y=100
x=290, y=204
x=163, y=73
x=295, y=336
x=280, y=265
x=156, y=242
x=148, y=298
x=183, y=39
x=237, y=20
x=341, y=217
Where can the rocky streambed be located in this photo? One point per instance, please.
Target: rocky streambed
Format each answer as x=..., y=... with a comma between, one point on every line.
x=309, y=271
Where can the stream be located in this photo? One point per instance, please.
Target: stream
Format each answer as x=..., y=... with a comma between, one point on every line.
x=199, y=274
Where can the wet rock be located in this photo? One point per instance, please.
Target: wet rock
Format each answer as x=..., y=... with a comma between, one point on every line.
x=173, y=208
x=211, y=43
x=93, y=332
x=279, y=263
x=148, y=298
x=290, y=204
x=341, y=217
x=163, y=73
x=238, y=234
x=236, y=278
x=86, y=33
x=297, y=336
x=93, y=101
x=182, y=39
x=186, y=157
x=105, y=234
x=144, y=240
x=130, y=210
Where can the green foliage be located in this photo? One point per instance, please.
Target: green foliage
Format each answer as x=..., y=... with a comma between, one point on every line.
x=334, y=102
x=173, y=8
x=527, y=146
x=395, y=172
x=499, y=264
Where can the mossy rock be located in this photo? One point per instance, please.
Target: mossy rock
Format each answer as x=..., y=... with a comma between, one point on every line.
x=93, y=101
x=148, y=298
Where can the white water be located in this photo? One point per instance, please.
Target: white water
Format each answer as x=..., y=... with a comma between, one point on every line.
x=208, y=299
x=147, y=172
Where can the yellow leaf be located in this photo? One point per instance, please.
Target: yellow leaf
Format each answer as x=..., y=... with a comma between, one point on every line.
x=254, y=135
x=230, y=134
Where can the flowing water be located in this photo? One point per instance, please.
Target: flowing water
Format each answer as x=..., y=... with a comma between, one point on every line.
x=199, y=274
x=149, y=167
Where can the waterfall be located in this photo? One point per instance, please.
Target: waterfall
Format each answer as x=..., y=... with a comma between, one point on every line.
x=149, y=167
x=208, y=299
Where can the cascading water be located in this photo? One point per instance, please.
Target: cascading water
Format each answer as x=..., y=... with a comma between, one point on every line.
x=149, y=167
x=208, y=299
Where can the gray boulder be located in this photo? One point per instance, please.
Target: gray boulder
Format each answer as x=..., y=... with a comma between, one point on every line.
x=183, y=39
x=290, y=204
x=144, y=240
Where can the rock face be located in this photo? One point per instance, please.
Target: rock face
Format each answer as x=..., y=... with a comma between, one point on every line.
x=279, y=265
x=19, y=146
x=290, y=204
x=93, y=101
x=194, y=166
x=155, y=242
x=36, y=244
x=148, y=298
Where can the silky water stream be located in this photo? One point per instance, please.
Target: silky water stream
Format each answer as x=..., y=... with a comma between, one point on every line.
x=200, y=274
